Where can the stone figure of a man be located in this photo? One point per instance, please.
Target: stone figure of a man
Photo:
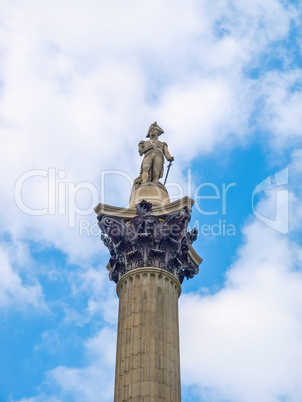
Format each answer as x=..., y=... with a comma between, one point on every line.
x=154, y=152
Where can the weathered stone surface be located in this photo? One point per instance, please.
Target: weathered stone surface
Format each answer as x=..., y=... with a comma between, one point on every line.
x=147, y=358
x=149, y=241
x=155, y=194
x=127, y=214
x=154, y=152
x=150, y=254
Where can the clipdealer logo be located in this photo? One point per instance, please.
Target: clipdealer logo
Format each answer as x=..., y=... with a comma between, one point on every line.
x=62, y=199
x=278, y=185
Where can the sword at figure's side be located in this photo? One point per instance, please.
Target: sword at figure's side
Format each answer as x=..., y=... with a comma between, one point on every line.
x=170, y=163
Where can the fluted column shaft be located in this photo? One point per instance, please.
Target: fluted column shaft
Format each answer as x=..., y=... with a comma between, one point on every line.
x=147, y=357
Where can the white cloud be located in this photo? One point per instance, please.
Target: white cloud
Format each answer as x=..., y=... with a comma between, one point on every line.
x=244, y=342
x=93, y=382
x=15, y=293
x=101, y=301
x=82, y=82
x=203, y=115
x=283, y=103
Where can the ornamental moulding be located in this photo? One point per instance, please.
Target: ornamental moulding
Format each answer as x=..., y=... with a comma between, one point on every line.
x=150, y=241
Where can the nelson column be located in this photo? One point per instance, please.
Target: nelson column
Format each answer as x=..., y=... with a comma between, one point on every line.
x=150, y=255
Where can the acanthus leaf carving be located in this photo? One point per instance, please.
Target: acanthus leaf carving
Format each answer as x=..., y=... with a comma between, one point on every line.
x=146, y=241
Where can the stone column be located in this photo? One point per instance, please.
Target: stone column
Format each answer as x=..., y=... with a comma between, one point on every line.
x=147, y=358
x=150, y=255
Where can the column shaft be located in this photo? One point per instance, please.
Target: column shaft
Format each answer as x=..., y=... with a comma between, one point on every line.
x=147, y=358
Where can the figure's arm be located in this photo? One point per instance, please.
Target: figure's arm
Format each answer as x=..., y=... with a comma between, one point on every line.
x=144, y=147
x=167, y=153
x=141, y=148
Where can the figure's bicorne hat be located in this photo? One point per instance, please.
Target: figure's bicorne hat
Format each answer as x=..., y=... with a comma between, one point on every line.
x=155, y=126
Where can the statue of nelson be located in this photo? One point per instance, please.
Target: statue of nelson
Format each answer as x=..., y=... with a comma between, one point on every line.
x=154, y=152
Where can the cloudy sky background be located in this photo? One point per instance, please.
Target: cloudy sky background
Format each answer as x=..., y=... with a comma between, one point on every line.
x=80, y=83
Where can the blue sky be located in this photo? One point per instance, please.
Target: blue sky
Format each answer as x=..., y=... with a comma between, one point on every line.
x=80, y=83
